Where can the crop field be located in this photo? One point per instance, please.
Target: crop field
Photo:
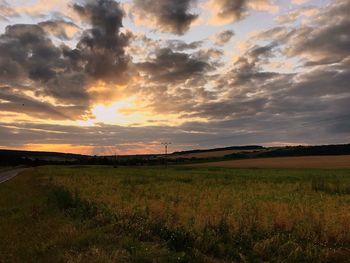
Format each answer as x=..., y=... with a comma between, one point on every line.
x=209, y=154
x=324, y=162
x=175, y=214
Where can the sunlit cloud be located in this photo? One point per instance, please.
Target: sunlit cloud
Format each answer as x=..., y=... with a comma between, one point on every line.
x=299, y=2
x=114, y=77
x=116, y=113
x=226, y=11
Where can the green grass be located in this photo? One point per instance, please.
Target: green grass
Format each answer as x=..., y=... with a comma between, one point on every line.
x=178, y=214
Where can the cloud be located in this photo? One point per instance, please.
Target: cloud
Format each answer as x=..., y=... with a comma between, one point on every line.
x=59, y=28
x=319, y=44
x=260, y=128
x=250, y=99
x=292, y=16
x=173, y=67
x=223, y=37
x=6, y=11
x=23, y=104
x=173, y=81
x=178, y=45
x=230, y=11
x=101, y=48
x=216, y=104
x=30, y=61
x=43, y=8
x=26, y=51
x=164, y=15
x=299, y=2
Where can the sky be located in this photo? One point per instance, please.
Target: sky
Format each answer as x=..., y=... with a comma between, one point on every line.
x=107, y=77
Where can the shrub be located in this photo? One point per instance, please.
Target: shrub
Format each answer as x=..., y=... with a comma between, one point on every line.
x=63, y=199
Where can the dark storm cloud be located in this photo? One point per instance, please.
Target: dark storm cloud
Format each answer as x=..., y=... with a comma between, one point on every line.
x=324, y=45
x=251, y=91
x=229, y=108
x=27, y=51
x=101, y=48
x=246, y=73
x=179, y=79
x=327, y=40
x=250, y=104
x=321, y=91
x=224, y=37
x=29, y=60
x=265, y=103
x=173, y=67
x=166, y=15
x=246, y=102
x=13, y=102
x=174, y=81
x=323, y=81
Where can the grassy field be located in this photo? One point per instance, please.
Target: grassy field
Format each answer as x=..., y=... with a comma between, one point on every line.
x=5, y=168
x=321, y=162
x=175, y=214
x=209, y=154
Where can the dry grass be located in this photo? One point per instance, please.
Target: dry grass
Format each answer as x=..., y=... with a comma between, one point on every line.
x=210, y=209
x=324, y=162
x=211, y=154
x=183, y=214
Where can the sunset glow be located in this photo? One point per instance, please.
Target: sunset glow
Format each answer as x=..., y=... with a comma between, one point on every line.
x=107, y=76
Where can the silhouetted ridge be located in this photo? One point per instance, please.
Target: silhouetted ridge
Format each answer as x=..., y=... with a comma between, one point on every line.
x=237, y=148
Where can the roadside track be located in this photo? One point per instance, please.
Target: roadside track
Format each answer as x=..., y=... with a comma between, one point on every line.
x=7, y=175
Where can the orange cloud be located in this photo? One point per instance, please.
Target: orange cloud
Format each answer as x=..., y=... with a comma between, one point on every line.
x=65, y=148
x=299, y=2
x=225, y=12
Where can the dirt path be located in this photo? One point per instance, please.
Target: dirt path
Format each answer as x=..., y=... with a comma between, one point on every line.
x=7, y=175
